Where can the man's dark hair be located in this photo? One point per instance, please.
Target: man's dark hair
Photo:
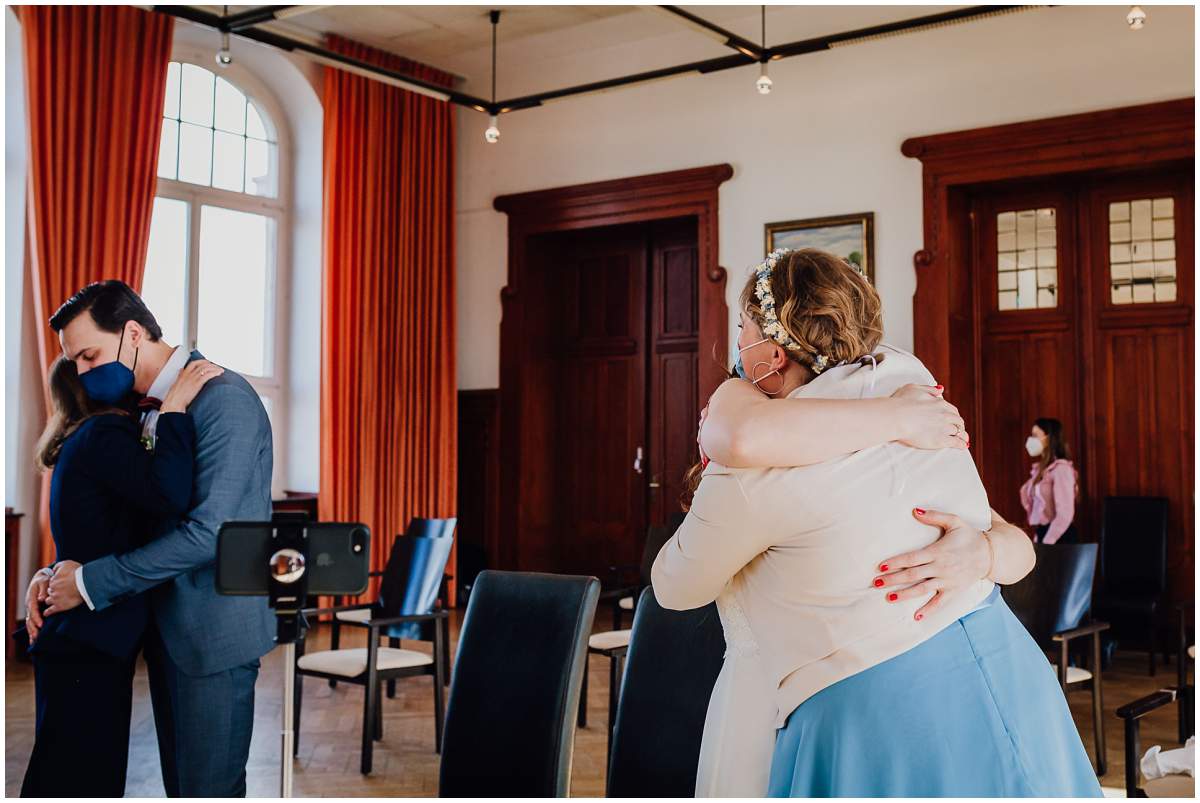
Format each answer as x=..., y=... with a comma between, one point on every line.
x=112, y=304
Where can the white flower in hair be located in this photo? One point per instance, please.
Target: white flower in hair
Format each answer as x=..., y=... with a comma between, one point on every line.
x=771, y=326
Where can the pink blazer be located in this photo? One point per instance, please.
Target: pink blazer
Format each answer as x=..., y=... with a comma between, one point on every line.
x=1052, y=500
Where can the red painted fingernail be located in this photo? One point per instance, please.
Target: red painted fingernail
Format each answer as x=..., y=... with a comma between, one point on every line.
x=939, y=387
x=883, y=567
x=919, y=511
x=879, y=582
x=893, y=597
x=920, y=616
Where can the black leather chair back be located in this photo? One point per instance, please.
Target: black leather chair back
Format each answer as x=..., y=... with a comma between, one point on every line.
x=1057, y=594
x=656, y=536
x=431, y=528
x=411, y=580
x=1133, y=539
x=510, y=719
x=673, y=662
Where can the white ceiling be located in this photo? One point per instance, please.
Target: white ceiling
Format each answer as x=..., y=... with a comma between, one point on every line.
x=535, y=41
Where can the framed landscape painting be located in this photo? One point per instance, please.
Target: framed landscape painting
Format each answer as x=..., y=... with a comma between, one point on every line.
x=852, y=237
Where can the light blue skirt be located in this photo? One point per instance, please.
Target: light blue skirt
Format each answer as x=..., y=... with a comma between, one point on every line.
x=975, y=711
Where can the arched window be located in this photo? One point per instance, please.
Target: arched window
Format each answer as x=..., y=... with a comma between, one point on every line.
x=213, y=268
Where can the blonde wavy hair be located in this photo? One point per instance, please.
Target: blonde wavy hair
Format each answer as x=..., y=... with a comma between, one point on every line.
x=825, y=305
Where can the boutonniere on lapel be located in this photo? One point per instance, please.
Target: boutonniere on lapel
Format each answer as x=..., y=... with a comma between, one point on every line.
x=148, y=442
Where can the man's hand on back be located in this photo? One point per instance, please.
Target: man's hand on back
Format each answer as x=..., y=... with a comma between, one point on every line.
x=64, y=593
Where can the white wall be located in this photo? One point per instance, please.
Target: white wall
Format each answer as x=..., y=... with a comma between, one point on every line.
x=826, y=141
x=24, y=410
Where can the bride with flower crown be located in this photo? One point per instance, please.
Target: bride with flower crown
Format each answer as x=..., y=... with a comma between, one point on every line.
x=849, y=604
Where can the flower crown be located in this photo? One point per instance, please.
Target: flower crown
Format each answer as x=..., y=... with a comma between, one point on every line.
x=771, y=326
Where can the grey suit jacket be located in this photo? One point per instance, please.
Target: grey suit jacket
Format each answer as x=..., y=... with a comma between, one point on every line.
x=204, y=632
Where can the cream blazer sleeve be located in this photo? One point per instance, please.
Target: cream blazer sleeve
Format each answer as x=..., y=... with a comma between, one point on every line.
x=720, y=535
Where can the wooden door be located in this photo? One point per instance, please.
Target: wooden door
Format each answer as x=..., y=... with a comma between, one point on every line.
x=1025, y=281
x=1139, y=376
x=602, y=397
x=673, y=363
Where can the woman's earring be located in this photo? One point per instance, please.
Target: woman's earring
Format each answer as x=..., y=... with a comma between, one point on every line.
x=764, y=376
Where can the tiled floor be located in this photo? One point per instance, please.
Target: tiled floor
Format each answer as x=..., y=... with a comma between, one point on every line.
x=405, y=763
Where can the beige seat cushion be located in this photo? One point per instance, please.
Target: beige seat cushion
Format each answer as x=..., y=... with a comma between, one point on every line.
x=354, y=616
x=625, y=603
x=1075, y=674
x=352, y=663
x=1192, y=652
x=1171, y=786
x=611, y=640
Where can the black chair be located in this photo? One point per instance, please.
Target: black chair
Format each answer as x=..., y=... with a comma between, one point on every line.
x=674, y=659
x=510, y=719
x=1133, y=567
x=1175, y=786
x=407, y=594
x=613, y=644
x=1054, y=602
x=1186, y=653
x=407, y=587
x=623, y=592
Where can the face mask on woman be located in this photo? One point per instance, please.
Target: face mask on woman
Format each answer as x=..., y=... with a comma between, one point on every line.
x=111, y=382
x=1033, y=445
x=741, y=370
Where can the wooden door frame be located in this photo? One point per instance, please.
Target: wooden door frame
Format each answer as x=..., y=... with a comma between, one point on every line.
x=945, y=334
x=681, y=193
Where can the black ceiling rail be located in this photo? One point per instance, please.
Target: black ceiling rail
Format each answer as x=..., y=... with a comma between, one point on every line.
x=739, y=59
x=738, y=43
x=324, y=54
x=234, y=23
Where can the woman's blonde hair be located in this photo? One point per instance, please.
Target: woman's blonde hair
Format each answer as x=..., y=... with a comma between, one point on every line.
x=828, y=308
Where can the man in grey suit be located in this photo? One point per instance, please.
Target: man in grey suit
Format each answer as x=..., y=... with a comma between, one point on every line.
x=202, y=649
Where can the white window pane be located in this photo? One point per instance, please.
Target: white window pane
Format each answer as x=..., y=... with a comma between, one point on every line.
x=228, y=154
x=260, y=168
x=195, y=154
x=171, y=99
x=1164, y=207
x=164, y=287
x=236, y=266
x=196, y=104
x=168, y=149
x=255, y=127
x=231, y=108
x=1027, y=289
x=1164, y=291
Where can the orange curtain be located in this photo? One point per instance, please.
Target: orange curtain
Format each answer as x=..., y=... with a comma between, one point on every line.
x=388, y=385
x=95, y=77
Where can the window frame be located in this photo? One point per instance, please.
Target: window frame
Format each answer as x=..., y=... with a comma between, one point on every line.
x=273, y=386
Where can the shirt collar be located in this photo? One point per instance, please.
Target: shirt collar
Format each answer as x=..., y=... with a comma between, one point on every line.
x=169, y=373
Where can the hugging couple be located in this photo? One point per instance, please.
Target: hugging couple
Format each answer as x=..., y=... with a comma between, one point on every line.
x=152, y=448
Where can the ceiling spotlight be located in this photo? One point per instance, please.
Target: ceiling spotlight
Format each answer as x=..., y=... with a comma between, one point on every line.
x=492, y=135
x=224, y=57
x=764, y=81
x=1136, y=18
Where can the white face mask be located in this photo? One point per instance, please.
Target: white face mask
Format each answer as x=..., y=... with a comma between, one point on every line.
x=1033, y=445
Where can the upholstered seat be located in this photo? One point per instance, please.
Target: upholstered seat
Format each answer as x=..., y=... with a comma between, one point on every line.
x=625, y=603
x=353, y=662
x=1171, y=786
x=610, y=640
x=361, y=615
x=1075, y=674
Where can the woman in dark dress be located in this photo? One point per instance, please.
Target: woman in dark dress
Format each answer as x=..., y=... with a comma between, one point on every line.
x=107, y=493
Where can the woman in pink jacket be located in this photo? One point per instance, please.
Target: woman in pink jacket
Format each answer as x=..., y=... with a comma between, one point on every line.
x=1049, y=494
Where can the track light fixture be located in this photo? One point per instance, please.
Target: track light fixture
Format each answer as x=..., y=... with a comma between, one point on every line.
x=763, y=84
x=492, y=134
x=224, y=57
x=1136, y=18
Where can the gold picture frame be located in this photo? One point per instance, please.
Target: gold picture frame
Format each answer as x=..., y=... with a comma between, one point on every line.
x=852, y=237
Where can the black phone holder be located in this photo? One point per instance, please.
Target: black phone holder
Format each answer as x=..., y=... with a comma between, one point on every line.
x=287, y=579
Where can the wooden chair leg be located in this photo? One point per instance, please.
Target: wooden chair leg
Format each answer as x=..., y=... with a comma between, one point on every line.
x=297, y=699
x=378, y=717
x=368, y=727
x=583, y=692
x=1098, y=709
x=1153, y=647
x=391, y=684
x=614, y=694
x=448, y=666
x=439, y=687
x=335, y=637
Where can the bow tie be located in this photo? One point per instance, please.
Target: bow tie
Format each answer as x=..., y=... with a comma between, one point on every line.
x=148, y=403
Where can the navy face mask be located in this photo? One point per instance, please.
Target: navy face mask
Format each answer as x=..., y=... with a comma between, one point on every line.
x=111, y=382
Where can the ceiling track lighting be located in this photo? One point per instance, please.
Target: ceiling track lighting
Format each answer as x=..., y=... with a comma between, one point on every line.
x=1136, y=18
x=764, y=82
x=492, y=134
x=224, y=56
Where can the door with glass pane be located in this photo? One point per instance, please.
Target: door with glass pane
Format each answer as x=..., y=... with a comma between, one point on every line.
x=1140, y=336
x=1028, y=350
